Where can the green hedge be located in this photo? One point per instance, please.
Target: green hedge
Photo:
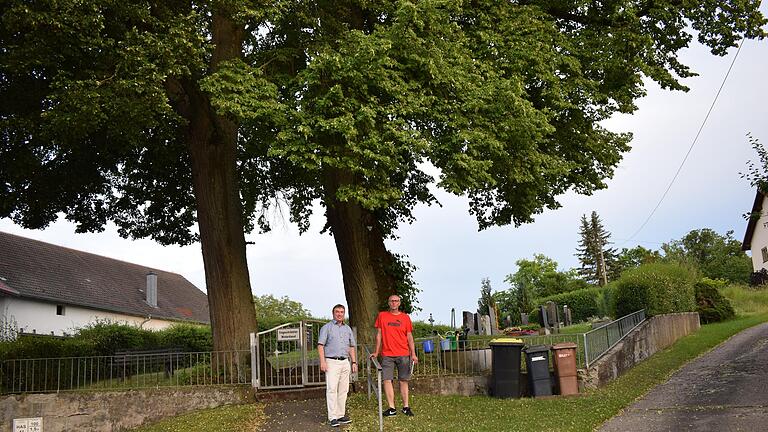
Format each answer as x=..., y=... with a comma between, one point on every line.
x=658, y=288
x=103, y=339
x=584, y=303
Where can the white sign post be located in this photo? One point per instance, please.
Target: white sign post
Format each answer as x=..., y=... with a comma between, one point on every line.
x=34, y=424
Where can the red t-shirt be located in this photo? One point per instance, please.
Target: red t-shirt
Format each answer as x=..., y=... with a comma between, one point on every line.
x=394, y=333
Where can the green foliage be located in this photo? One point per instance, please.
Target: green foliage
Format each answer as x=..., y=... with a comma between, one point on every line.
x=108, y=337
x=711, y=305
x=507, y=303
x=658, y=288
x=716, y=256
x=104, y=338
x=598, y=262
x=47, y=347
x=272, y=311
x=422, y=329
x=747, y=300
x=757, y=173
x=187, y=338
x=486, y=300
x=584, y=303
x=401, y=271
x=535, y=278
x=635, y=257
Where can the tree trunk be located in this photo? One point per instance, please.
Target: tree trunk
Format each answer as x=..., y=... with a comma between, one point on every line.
x=212, y=142
x=362, y=254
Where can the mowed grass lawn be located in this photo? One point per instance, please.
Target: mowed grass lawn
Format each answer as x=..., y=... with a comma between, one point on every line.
x=455, y=413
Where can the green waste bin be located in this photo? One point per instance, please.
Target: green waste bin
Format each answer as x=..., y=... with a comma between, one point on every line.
x=451, y=336
x=537, y=364
x=505, y=367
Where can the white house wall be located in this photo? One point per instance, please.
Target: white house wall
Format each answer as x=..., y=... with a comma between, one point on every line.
x=760, y=239
x=41, y=318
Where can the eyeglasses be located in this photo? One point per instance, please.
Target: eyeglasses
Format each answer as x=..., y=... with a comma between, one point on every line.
x=394, y=301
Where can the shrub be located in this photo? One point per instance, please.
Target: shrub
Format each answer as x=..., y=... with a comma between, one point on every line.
x=110, y=337
x=187, y=337
x=422, y=329
x=104, y=338
x=658, y=288
x=710, y=304
x=27, y=346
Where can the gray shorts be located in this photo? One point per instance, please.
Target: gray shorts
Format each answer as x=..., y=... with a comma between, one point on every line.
x=403, y=368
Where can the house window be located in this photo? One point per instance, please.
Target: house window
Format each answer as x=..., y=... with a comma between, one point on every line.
x=60, y=308
x=765, y=253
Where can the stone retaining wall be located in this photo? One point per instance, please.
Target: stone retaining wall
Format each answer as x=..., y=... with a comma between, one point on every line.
x=651, y=336
x=114, y=411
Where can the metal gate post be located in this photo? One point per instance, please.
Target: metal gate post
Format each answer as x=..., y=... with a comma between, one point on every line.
x=303, y=342
x=255, y=365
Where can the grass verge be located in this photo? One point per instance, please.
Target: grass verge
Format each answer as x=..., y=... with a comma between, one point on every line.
x=584, y=413
x=229, y=418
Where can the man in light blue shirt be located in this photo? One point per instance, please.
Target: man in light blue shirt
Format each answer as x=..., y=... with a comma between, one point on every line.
x=336, y=349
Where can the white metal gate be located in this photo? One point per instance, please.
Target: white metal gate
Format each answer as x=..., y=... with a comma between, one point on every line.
x=286, y=356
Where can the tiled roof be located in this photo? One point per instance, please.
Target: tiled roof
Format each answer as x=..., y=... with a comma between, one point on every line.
x=37, y=270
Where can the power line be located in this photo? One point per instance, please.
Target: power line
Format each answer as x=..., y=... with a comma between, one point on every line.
x=695, y=139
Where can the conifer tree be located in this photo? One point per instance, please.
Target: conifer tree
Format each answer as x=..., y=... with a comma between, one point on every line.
x=598, y=262
x=486, y=300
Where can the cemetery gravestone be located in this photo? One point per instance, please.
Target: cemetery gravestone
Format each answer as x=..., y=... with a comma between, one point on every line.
x=468, y=322
x=485, y=325
x=494, y=321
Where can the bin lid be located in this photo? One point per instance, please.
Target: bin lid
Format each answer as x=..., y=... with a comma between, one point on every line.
x=506, y=341
x=537, y=348
x=564, y=345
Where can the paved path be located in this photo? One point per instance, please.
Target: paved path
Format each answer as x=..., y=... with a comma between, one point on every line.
x=297, y=416
x=724, y=390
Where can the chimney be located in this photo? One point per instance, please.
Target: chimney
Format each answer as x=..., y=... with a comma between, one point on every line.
x=152, y=289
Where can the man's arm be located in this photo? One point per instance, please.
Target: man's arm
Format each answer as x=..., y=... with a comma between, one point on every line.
x=322, y=339
x=353, y=358
x=378, y=344
x=412, y=347
x=321, y=354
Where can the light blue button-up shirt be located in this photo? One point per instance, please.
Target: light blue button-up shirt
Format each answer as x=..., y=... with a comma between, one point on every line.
x=336, y=339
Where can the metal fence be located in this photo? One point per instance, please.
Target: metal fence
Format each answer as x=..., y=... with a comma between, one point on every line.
x=598, y=341
x=123, y=372
x=473, y=356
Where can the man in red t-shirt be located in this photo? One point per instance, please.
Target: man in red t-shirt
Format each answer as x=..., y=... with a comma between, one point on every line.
x=394, y=340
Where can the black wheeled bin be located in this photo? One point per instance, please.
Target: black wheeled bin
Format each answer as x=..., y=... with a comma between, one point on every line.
x=505, y=367
x=537, y=365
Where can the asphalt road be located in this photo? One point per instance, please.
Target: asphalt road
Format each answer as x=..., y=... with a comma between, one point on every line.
x=724, y=390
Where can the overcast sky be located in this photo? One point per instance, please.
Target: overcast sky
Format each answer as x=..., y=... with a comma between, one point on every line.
x=452, y=256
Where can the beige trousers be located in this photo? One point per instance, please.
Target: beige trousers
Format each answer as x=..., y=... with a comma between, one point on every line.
x=337, y=387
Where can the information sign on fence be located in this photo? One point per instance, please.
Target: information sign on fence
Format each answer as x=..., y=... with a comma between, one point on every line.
x=28, y=424
x=288, y=334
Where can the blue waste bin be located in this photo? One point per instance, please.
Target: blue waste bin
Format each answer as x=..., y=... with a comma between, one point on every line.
x=428, y=346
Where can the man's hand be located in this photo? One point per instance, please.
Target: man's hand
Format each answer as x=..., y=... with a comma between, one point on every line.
x=354, y=367
x=323, y=366
x=415, y=359
x=374, y=355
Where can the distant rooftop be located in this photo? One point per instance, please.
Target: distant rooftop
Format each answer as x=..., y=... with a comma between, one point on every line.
x=37, y=270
